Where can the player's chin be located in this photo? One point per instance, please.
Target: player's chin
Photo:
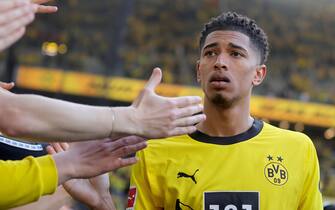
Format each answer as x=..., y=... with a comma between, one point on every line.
x=221, y=99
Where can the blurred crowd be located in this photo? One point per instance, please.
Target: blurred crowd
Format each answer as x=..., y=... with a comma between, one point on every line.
x=129, y=38
x=326, y=155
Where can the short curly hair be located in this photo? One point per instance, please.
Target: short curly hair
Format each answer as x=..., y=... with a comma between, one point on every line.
x=236, y=22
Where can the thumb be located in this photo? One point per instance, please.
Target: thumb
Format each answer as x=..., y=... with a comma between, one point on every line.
x=7, y=86
x=154, y=80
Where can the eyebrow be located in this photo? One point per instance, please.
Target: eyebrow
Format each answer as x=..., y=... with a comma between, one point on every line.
x=231, y=45
x=215, y=44
x=235, y=46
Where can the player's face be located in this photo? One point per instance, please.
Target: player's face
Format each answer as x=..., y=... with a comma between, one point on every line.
x=228, y=67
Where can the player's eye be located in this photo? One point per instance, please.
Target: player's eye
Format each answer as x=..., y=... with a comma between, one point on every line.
x=236, y=54
x=210, y=53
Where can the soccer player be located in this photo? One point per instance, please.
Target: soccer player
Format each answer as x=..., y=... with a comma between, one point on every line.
x=233, y=161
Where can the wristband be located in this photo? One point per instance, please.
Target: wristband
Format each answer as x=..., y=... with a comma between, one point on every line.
x=112, y=124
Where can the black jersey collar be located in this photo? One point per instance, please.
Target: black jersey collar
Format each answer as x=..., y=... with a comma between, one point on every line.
x=253, y=131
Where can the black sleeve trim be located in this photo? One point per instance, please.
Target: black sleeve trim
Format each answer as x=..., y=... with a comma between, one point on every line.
x=11, y=149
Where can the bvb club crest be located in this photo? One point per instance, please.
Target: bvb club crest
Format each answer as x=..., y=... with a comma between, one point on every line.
x=275, y=172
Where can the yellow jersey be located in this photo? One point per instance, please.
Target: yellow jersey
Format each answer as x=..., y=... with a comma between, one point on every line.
x=25, y=181
x=264, y=168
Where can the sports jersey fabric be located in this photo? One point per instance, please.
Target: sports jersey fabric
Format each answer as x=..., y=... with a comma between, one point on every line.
x=264, y=168
x=26, y=180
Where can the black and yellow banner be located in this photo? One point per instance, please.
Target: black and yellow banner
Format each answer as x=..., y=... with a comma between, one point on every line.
x=124, y=89
x=293, y=111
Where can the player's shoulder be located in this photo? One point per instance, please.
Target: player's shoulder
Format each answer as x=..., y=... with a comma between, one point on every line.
x=284, y=134
x=159, y=151
x=168, y=142
x=163, y=146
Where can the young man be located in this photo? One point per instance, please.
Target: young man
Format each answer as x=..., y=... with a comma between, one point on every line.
x=232, y=161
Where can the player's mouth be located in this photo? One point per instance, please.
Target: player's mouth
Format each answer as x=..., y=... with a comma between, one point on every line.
x=219, y=81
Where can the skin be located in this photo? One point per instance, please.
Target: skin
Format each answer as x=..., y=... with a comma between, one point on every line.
x=37, y=117
x=46, y=119
x=15, y=15
x=93, y=192
x=227, y=104
x=228, y=55
x=92, y=158
x=42, y=118
x=43, y=8
x=84, y=160
x=7, y=86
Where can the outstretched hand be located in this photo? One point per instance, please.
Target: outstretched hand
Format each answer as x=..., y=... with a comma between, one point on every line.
x=43, y=8
x=7, y=86
x=159, y=116
x=93, y=158
x=15, y=15
x=94, y=192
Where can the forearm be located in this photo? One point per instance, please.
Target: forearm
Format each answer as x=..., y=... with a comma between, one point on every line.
x=42, y=118
x=150, y=115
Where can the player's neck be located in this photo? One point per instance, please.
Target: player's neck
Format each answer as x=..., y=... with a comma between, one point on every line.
x=226, y=121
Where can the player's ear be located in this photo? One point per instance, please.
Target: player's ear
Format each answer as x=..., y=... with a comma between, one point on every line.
x=198, y=71
x=260, y=74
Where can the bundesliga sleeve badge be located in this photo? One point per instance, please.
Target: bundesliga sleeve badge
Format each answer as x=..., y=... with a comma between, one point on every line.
x=131, y=198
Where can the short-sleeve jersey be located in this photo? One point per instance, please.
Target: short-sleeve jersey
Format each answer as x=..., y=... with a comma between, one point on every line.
x=265, y=168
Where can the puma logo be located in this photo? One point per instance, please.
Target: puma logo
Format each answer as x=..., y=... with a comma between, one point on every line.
x=178, y=205
x=182, y=174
